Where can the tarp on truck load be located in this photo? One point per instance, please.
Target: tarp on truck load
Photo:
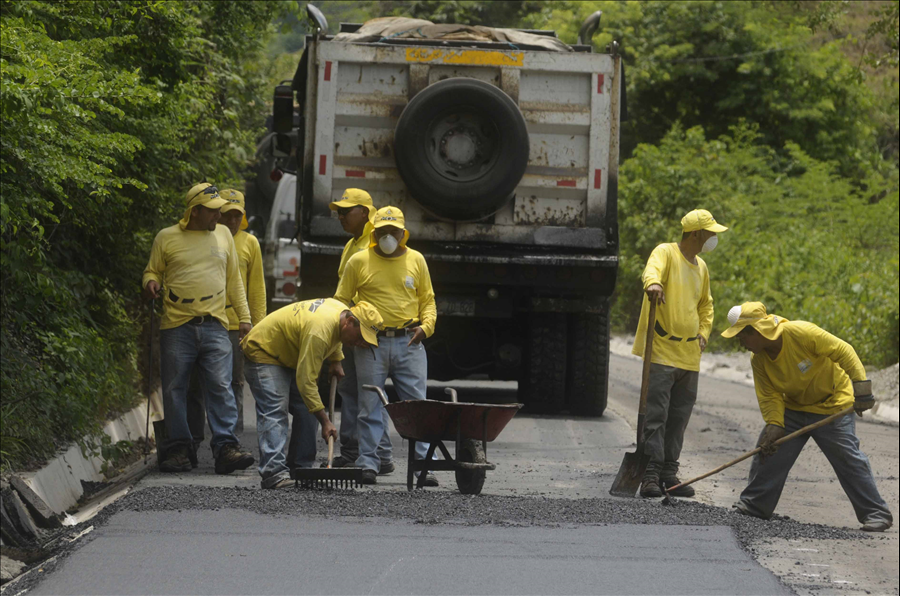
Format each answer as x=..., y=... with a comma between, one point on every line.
x=386, y=28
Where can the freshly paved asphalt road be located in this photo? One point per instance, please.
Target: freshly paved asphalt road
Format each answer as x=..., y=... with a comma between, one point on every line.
x=238, y=552
x=182, y=544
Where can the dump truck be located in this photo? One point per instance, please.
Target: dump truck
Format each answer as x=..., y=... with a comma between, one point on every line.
x=501, y=147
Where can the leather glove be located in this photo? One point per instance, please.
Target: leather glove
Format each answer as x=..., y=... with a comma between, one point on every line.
x=863, y=398
x=769, y=435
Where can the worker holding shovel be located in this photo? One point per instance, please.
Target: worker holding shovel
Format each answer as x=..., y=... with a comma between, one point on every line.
x=677, y=279
x=803, y=374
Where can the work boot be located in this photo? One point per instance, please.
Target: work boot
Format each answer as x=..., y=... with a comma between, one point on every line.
x=431, y=480
x=177, y=460
x=369, y=477
x=340, y=462
x=231, y=457
x=876, y=525
x=285, y=482
x=386, y=468
x=650, y=485
x=672, y=480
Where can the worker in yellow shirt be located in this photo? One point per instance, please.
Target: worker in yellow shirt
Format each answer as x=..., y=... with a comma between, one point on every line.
x=194, y=268
x=395, y=280
x=803, y=374
x=251, y=267
x=678, y=280
x=355, y=211
x=284, y=355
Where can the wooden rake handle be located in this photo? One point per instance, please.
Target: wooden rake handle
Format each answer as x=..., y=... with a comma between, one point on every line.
x=645, y=372
x=784, y=439
x=331, y=396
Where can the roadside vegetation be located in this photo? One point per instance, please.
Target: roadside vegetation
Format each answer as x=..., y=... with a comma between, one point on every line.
x=779, y=117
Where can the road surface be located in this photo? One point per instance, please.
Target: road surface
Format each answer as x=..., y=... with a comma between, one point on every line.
x=543, y=525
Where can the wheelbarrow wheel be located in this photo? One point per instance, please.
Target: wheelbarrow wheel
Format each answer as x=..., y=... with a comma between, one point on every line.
x=470, y=482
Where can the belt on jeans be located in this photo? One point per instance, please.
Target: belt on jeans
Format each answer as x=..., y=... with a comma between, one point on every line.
x=201, y=320
x=397, y=332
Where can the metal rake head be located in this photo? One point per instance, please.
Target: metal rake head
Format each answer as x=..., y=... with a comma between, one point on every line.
x=327, y=478
x=327, y=484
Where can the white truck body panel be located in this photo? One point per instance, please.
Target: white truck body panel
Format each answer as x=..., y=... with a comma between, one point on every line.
x=565, y=98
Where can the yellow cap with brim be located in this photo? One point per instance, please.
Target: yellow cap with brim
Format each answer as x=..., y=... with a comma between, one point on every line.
x=701, y=219
x=354, y=197
x=370, y=321
x=204, y=194
x=389, y=216
x=234, y=199
x=754, y=314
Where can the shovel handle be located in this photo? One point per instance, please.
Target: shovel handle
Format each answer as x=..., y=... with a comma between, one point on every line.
x=780, y=441
x=332, y=392
x=645, y=373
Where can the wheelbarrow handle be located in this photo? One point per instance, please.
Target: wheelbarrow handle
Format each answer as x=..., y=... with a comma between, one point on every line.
x=379, y=391
x=451, y=393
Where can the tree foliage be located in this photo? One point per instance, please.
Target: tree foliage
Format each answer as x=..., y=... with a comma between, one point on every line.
x=110, y=110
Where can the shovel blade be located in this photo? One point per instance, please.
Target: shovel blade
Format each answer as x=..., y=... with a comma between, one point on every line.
x=631, y=472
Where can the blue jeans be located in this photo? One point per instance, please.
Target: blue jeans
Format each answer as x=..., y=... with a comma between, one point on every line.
x=840, y=445
x=407, y=367
x=208, y=346
x=349, y=408
x=274, y=389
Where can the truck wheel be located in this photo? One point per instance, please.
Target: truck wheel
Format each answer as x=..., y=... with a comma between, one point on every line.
x=461, y=147
x=588, y=363
x=470, y=482
x=542, y=385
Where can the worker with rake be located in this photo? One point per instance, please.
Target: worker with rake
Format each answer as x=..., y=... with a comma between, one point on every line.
x=394, y=279
x=803, y=374
x=283, y=357
x=678, y=280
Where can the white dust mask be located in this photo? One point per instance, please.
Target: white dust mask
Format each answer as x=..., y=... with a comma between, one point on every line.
x=388, y=244
x=710, y=244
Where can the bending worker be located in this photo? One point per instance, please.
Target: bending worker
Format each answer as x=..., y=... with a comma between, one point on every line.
x=679, y=282
x=395, y=280
x=251, y=268
x=803, y=374
x=196, y=263
x=284, y=355
x=355, y=211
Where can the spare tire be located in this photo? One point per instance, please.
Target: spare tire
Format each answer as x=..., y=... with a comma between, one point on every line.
x=461, y=147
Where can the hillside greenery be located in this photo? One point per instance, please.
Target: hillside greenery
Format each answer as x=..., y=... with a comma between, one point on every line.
x=779, y=117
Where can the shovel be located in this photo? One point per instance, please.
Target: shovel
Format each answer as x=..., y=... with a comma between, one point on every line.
x=631, y=472
x=669, y=501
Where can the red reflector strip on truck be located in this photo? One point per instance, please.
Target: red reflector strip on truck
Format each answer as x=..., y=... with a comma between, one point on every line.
x=323, y=162
x=356, y=174
x=328, y=70
x=598, y=178
x=565, y=183
x=599, y=83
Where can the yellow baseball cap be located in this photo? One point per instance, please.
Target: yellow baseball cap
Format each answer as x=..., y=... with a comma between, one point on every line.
x=390, y=216
x=755, y=315
x=235, y=200
x=204, y=194
x=701, y=219
x=370, y=321
x=353, y=197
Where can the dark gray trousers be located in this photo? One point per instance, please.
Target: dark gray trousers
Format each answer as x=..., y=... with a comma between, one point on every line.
x=839, y=443
x=196, y=402
x=671, y=395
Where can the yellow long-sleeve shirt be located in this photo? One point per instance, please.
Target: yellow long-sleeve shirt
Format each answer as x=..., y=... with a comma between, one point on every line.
x=251, y=267
x=399, y=288
x=813, y=372
x=299, y=336
x=197, y=270
x=355, y=245
x=687, y=313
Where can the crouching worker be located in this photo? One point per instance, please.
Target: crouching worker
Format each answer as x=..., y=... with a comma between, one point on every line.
x=803, y=374
x=283, y=356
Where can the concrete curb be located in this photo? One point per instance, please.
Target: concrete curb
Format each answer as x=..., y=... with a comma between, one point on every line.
x=58, y=483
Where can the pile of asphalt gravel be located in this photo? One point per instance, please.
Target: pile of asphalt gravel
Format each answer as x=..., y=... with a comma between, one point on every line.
x=438, y=507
